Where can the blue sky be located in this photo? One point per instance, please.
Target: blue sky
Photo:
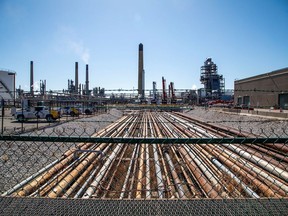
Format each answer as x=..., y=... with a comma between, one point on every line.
x=243, y=37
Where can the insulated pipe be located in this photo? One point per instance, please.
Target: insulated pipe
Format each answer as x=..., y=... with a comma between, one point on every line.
x=257, y=152
x=53, y=181
x=200, y=164
x=148, y=178
x=84, y=186
x=170, y=187
x=67, y=158
x=195, y=193
x=265, y=176
x=208, y=166
x=133, y=156
x=196, y=128
x=93, y=186
x=165, y=131
x=278, y=147
x=128, y=172
x=140, y=181
x=264, y=164
x=89, y=192
x=176, y=179
x=74, y=174
x=21, y=184
x=229, y=159
x=133, y=171
x=81, y=179
x=206, y=159
x=187, y=181
x=141, y=172
x=272, y=153
x=188, y=123
x=203, y=166
x=248, y=190
x=247, y=170
x=109, y=176
x=147, y=162
x=158, y=171
x=160, y=134
x=198, y=174
x=32, y=186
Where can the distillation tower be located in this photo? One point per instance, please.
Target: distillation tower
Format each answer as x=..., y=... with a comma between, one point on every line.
x=213, y=82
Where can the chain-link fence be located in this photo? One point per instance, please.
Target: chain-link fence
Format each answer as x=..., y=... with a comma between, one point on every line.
x=28, y=115
x=149, y=155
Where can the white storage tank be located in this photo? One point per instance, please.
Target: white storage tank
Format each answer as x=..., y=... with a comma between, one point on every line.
x=7, y=84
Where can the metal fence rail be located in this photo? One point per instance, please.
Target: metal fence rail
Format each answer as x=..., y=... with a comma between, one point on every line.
x=135, y=140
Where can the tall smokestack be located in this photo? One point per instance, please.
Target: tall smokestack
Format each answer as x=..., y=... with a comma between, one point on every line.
x=87, y=81
x=154, y=91
x=76, y=77
x=141, y=77
x=31, y=78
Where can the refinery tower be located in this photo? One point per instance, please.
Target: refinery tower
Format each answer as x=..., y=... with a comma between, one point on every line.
x=213, y=82
x=141, y=73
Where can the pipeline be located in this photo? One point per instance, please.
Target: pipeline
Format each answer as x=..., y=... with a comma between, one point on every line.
x=245, y=187
x=167, y=171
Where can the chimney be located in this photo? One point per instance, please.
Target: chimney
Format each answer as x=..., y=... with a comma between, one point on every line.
x=31, y=79
x=76, y=77
x=141, y=77
x=87, y=81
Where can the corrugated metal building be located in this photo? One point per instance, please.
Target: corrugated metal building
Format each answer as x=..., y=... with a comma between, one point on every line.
x=7, y=85
x=265, y=90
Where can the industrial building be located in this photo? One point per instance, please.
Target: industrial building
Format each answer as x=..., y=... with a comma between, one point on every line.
x=263, y=91
x=7, y=85
x=213, y=82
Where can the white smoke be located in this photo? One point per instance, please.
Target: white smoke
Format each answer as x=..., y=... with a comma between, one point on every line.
x=194, y=87
x=36, y=86
x=68, y=40
x=79, y=49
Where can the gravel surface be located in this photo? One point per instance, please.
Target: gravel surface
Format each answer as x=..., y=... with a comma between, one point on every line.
x=267, y=127
x=19, y=160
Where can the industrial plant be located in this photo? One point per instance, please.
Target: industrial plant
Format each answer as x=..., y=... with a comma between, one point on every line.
x=146, y=93
x=90, y=145
x=212, y=81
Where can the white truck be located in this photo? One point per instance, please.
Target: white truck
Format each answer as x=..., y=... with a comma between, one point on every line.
x=38, y=112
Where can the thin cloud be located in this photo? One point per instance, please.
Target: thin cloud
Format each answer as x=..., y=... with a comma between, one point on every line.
x=79, y=49
x=67, y=40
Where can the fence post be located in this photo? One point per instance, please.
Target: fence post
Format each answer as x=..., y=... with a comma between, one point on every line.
x=3, y=112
